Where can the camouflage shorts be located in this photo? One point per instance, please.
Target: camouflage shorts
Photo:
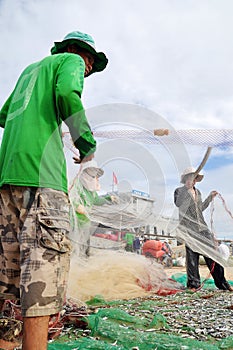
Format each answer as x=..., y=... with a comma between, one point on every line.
x=34, y=248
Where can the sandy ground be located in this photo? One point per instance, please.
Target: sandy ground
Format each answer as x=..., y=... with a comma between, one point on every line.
x=204, y=272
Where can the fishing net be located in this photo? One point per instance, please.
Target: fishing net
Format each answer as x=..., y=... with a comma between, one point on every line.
x=114, y=328
x=118, y=275
x=203, y=246
x=222, y=138
x=115, y=212
x=124, y=214
x=207, y=283
x=109, y=273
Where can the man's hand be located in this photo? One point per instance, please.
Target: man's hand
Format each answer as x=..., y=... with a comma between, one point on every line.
x=85, y=159
x=114, y=199
x=88, y=158
x=76, y=160
x=81, y=209
x=213, y=194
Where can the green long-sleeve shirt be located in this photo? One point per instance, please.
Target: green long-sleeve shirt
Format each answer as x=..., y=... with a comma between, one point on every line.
x=81, y=195
x=47, y=93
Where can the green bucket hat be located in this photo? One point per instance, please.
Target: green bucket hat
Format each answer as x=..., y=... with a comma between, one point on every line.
x=84, y=41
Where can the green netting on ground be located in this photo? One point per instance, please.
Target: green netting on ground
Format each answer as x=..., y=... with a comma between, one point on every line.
x=208, y=283
x=84, y=344
x=113, y=328
x=226, y=343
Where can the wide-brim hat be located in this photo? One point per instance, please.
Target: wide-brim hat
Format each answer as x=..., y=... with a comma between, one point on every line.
x=91, y=168
x=84, y=41
x=190, y=171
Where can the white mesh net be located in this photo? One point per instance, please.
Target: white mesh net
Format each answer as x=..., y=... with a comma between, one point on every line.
x=204, y=137
x=121, y=213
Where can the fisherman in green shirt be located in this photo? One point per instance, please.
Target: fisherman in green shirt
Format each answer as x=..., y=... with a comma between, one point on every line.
x=34, y=205
x=84, y=195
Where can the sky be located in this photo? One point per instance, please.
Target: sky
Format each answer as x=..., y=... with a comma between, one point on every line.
x=170, y=62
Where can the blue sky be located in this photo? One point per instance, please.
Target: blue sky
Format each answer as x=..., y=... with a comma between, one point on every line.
x=218, y=161
x=171, y=57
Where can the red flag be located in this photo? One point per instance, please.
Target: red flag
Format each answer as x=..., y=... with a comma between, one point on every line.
x=115, y=181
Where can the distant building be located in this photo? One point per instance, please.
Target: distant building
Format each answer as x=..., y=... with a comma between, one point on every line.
x=137, y=207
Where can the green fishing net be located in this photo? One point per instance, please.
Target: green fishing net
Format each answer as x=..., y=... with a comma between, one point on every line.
x=115, y=329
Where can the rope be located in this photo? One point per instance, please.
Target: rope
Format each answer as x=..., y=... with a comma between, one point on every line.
x=224, y=205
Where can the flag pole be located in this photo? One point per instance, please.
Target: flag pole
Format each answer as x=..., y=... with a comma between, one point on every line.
x=114, y=181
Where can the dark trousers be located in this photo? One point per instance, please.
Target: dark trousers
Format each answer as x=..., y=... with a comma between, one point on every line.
x=193, y=276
